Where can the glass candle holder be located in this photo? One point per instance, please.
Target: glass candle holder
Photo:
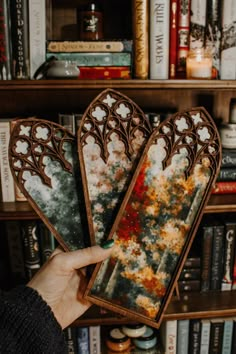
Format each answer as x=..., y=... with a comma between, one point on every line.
x=199, y=64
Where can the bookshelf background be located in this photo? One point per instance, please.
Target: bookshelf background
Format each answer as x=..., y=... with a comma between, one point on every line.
x=46, y=98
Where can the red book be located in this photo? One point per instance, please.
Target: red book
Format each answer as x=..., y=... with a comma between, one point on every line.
x=173, y=38
x=105, y=72
x=226, y=187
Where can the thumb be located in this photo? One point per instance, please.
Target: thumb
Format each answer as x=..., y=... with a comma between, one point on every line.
x=86, y=256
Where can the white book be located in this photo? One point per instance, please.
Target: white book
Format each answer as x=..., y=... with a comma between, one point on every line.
x=227, y=335
x=7, y=182
x=37, y=34
x=159, y=39
x=197, y=23
x=168, y=332
x=182, y=336
x=95, y=339
x=228, y=47
x=205, y=336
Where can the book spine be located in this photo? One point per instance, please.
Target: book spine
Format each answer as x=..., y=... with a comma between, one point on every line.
x=233, y=348
x=194, y=336
x=228, y=44
x=67, y=120
x=205, y=336
x=89, y=46
x=216, y=336
x=20, y=39
x=190, y=274
x=95, y=339
x=197, y=24
x=217, y=257
x=105, y=73
x=159, y=39
x=168, y=333
x=227, y=174
x=37, y=34
x=182, y=336
x=71, y=340
x=173, y=38
x=189, y=285
x=229, y=246
x=227, y=336
x=83, y=340
x=95, y=59
x=29, y=234
x=207, y=238
x=7, y=182
x=228, y=158
x=213, y=34
x=141, y=38
x=183, y=36
x=192, y=262
x=15, y=252
x=5, y=47
x=47, y=242
x=224, y=187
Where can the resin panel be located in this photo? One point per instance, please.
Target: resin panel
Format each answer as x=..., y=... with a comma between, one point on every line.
x=159, y=217
x=111, y=138
x=44, y=163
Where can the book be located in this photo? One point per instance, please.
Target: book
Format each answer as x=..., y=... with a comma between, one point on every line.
x=205, y=336
x=227, y=335
x=183, y=36
x=20, y=39
x=207, y=239
x=189, y=285
x=227, y=174
x=190, y=274
x=168, y=335
x=217, y=256
x=37, y=34
x=229, y=250
x=95, y=59
x=182, y=336
x=173, y=38
x=192, y=262
x=213, y=34
x=5, y=46
x=15, y=252
x=123, y=45
x=228, y=43
x=140, y=24
x=194, y=336
x=47, y=242
x=224, y=187
x=95, y=339
x=159, y=39
x=71, y=339
x=83, y=340
x=105, y=72
x=197, y=24
x=216, y=335
x=228, y=158
x=29, y=234
x=233, y=345
x=67, y=120
x=7, y=182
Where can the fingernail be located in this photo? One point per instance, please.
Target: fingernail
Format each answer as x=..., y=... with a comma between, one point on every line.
x=107, y=244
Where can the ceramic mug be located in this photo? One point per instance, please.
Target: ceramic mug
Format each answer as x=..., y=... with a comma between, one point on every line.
x=57, y=69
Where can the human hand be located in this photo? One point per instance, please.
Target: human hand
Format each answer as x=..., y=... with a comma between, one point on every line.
x=60, y=281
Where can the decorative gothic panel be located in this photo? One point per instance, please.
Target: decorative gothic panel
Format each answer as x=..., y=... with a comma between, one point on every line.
x=158, y=218
x=111, y=138
x=44, y=163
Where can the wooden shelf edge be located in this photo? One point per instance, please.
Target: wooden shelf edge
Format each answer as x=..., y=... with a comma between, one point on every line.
x=126, y=84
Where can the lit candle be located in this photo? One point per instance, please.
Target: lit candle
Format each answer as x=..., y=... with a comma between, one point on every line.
x=199, y=64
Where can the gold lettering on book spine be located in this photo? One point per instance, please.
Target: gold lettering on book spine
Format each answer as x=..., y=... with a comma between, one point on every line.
x=141, y=38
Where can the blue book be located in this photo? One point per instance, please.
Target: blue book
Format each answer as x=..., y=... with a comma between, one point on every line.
x=227, y=336
x=83, y=340
x=182, y=336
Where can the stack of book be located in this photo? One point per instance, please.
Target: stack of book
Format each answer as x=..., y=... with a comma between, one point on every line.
x=106, y=59
x=226, y=181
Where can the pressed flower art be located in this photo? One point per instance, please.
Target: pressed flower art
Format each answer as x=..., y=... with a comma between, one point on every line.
x=158, y=217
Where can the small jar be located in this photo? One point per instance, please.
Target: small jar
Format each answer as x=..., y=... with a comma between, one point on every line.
x=62, y=69
x=90, y=22
x=147, y=341
x=134, y=331
x=117, y=341
x=199, y=64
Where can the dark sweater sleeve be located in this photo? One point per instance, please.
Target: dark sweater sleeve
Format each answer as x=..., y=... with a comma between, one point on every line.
x=27, y=324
